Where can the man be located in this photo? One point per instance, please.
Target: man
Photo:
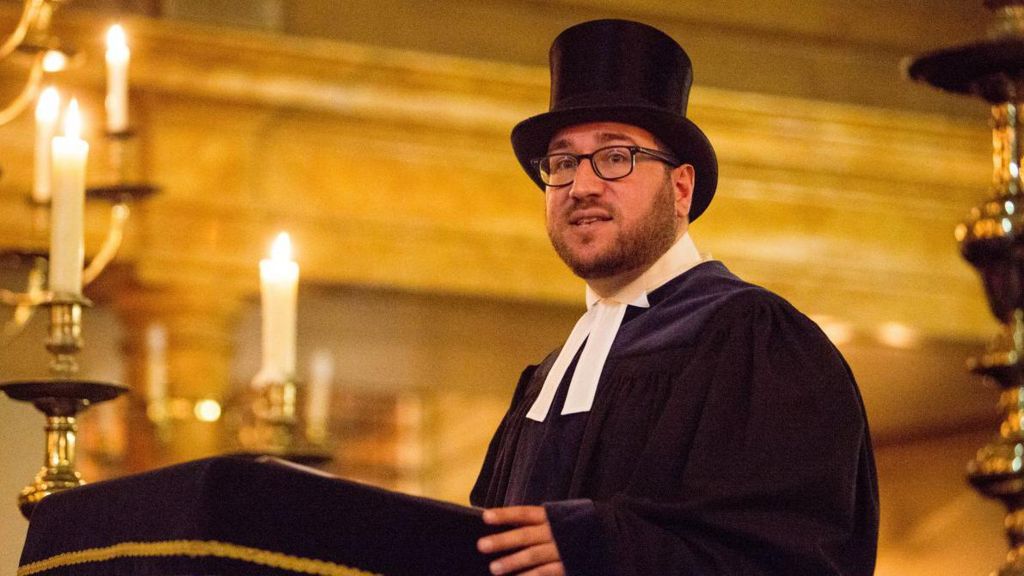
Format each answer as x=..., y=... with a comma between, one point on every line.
x=692, y=423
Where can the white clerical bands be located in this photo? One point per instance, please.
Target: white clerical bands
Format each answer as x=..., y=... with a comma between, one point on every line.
x=598, y=328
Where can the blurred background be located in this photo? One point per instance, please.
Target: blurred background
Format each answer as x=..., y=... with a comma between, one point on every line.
x=375, y=132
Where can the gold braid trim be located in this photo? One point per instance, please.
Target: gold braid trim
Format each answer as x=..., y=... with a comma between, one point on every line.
x=194, y=548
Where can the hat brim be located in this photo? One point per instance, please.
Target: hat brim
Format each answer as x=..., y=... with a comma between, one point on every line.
x=530, y=139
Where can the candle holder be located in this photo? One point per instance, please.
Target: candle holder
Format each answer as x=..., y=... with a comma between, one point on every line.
x=271, y=427
x=60, y=398
x=124, y=165
x=126, y=188
x=25, y=303
x=992, y=240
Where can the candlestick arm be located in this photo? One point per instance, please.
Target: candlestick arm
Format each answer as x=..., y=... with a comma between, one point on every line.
x=28, y=15
x=111, y=244
x=28, y=93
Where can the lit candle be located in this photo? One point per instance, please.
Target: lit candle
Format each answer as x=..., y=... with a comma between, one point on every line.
x=279, y=279
x=47, y=111
x=67, y=251
x=117, y=79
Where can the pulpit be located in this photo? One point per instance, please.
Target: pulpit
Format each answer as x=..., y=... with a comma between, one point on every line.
x=234, y=516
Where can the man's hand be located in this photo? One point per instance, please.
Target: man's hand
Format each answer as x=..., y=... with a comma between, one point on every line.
x=535, y=552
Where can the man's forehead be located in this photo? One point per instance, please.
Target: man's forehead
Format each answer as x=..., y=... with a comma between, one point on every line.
x=599, y=133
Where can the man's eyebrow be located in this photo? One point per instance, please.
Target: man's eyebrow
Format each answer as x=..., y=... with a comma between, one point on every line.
x=612, y=136
x=558, y=144
x=603, y=138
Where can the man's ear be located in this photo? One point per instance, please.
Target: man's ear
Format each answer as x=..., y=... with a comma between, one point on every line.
x=683, y=178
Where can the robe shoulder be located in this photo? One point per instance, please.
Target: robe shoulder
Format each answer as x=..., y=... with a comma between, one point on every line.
x=743, y=450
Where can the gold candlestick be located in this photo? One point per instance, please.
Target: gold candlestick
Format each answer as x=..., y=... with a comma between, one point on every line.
x=60, y=398
x=992, y=240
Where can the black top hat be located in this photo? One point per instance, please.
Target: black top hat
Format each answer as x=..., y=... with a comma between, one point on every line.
x=621, y=71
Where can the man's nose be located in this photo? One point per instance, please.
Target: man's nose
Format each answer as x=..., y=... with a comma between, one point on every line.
x=586, y=182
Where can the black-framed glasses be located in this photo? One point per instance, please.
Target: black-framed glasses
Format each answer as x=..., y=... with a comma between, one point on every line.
x=609, y=163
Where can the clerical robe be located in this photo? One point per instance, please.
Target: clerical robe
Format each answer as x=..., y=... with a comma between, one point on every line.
x=727, y=436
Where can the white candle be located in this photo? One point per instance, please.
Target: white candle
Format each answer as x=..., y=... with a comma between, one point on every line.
x=156, y=363
x=47, y=112
x=117, y=79
x=67, y=251
x=318, y=403
x=279, y=279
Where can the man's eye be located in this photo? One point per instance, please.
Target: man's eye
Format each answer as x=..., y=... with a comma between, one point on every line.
x=561, y=163
x=616, y=157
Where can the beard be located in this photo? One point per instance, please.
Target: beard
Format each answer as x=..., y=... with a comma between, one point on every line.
x=637, y=247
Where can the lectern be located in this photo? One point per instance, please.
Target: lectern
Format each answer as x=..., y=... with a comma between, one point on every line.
x=232, y=516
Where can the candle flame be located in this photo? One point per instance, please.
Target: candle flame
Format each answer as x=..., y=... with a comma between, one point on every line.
x=73, y=121
x=48, y=107
x=207, y=410
x=281, y=250
x=54, y=61
x=117, y=41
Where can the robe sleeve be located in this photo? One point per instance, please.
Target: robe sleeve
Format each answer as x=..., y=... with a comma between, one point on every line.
x=776, y=475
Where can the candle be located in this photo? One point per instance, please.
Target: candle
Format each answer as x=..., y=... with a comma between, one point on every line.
x=156, y=363
x=279, y=279
x=47, y=111
x=67, y=251
x=117, y=80
x=318, y=403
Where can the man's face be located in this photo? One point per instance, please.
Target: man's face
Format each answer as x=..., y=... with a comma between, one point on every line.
x=607, y=230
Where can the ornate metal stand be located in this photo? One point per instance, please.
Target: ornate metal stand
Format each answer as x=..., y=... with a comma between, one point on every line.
x=60, y=398
x=992, y=240
x=271, y=426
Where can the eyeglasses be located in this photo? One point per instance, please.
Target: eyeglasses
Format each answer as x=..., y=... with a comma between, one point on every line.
x=609, y=163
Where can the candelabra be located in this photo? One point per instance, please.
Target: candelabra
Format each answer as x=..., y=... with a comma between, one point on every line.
x=992, y=240
x=31, y=37
x=63, y=395
x=61, y=398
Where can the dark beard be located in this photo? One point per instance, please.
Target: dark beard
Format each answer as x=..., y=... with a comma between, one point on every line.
x=638, y=248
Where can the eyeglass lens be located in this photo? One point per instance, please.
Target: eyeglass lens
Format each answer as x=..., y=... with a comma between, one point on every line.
x=609, y=163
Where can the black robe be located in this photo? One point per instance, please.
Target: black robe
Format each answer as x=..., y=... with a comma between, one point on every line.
x=727, y=436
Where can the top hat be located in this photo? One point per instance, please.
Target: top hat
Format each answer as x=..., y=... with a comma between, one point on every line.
x=621, y=71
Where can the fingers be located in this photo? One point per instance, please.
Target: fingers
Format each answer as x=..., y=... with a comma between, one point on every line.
x=535, y=553
x=517, y=538
x=516, y=515
x=540, y=560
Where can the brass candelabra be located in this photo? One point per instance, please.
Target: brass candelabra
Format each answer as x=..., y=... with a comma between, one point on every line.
x=64, y=395
x=60, y=398
x=31, y=38
x=992, y=240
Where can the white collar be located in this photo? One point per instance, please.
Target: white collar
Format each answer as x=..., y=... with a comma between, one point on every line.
x=596, y=331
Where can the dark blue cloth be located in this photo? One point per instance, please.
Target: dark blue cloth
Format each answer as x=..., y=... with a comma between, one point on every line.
x=270, y=511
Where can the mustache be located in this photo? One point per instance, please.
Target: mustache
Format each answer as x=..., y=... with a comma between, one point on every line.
x=588, y=204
